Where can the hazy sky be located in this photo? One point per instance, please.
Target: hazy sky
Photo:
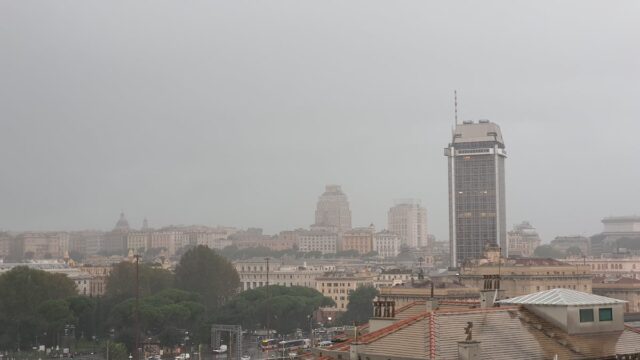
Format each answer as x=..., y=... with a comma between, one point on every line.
x=239, y=112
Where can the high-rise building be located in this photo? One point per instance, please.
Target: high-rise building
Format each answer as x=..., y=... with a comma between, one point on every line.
x=408, y=219
x=477, y=216
x=332, y=211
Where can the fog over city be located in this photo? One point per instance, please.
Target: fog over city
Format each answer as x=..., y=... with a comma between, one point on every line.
x=239, y=113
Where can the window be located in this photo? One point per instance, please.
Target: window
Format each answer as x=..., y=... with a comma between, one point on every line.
x=605, y=314
x=586, y=315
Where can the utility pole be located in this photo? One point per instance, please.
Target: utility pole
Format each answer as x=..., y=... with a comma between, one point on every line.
x=268, y=300
x=137, y=350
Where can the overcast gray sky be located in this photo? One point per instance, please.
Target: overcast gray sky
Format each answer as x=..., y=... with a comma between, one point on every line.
x=239, y=112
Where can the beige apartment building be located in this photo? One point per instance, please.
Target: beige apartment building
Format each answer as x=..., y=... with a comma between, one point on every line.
x=626, y=289
x=168, y=240
x=338, y=286
x=322, y=241
x=358, y=239
x=43, y=245
x=610, y=267
x=522, y=276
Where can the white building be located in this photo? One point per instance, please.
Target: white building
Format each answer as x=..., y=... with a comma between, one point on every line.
x=169, y=240
x=386, y=243
x=408, y=219
x=253, y=274
x=523, y=240
x=211, y=239
x=322, y=241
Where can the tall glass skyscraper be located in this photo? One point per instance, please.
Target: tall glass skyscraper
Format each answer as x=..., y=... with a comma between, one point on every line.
x=477, y=216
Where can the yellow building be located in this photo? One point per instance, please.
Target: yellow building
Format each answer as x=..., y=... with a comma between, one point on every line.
x=528, y=275
x=359, y=239
x=338, y=286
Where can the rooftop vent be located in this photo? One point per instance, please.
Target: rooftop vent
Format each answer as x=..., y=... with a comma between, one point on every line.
x=467, y=122
x=483, y=121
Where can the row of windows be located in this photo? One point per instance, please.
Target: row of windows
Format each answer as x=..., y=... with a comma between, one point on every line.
x=337, y=284
x=613, y=266
x=604, y=314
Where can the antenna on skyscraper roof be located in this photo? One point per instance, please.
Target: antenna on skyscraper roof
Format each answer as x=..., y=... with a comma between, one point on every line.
x=455, y=105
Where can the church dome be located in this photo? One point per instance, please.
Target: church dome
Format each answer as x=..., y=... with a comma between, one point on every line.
x=122, y=224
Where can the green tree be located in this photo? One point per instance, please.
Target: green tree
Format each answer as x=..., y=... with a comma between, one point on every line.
x=288, y=308
x=547, y=251
x=360, y=307
x=117, y=351
x=212, y=276
x=23, y=292
x=121, y=283
x=161, y=315
x=573, y=251
x=55, y=314
x=85, y=312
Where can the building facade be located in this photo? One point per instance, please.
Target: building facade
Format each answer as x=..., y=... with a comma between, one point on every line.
x=254, y=274
x=477, y=216
x=523, y=240
x=358, y=239
x=43, y=245
x=628, y=267
x=408, y=219
x=386, y=244
x=332, y=209
x=322, y=241
x=520, y=276
x=338, y=285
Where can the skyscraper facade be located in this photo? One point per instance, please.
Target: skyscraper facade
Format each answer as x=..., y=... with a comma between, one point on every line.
x=408, y=219
x=477, y=215
x=332, y=211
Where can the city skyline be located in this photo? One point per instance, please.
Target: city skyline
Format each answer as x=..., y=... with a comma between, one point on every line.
x=289, y=100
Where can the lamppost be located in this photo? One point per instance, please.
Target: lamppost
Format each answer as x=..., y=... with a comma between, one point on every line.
x=310, y=317
x=268, y=299
x=137, y=318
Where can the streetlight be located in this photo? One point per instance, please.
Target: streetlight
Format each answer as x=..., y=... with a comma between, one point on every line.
x=310, y=317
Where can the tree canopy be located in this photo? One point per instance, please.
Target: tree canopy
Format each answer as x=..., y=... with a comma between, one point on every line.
x=547, y=251
x=121, y=283
x=288, y=308
x=212, y=276
x=164, y=316
x=573, y=251
x=32, y=302
x=360, y=307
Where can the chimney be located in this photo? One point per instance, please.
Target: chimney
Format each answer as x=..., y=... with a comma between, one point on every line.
x=469, y=350
x=353, y=351
x=432, y=304
x=488, y=298
x=491, y=291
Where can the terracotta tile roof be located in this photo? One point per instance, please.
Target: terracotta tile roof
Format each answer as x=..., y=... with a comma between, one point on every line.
x=505, y=333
